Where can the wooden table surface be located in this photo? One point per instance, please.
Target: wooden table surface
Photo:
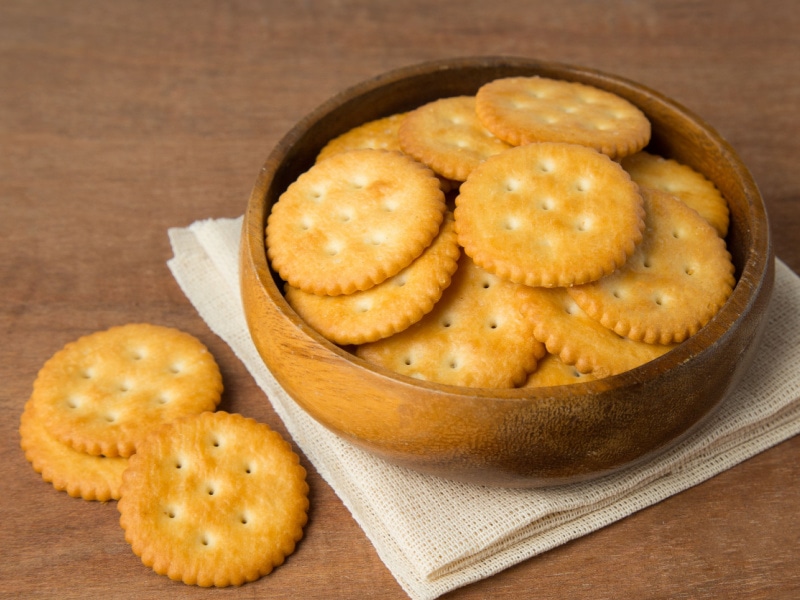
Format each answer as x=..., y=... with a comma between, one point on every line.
x=119, y=120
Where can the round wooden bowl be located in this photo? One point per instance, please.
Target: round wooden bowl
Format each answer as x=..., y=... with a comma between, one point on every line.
x=517, y=437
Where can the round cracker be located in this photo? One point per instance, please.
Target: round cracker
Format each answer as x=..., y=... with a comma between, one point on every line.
x=214, y=499
x=676, y=281
x=389, y=307
x=102, y=393
x=447, y=136
x=578, y=339
x=549, y=215
x=353, y=220
x=683, y=182
x=475, y=336
x=380, y=134
x=522, y=110
x=79, y=474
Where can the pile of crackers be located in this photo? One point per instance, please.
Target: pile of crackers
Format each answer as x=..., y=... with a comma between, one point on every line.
x=522, y=236
x=129, y=413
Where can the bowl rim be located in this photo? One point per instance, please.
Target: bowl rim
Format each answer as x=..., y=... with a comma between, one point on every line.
x=745, y=293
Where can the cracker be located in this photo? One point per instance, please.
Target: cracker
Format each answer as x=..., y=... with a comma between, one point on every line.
x=552, y=371
x=578, y=339
x=475, y=336
x=389, y=307
x=353, y=220
x=447, y=136
x=379, y=134
x=215, y=499
x=676, y=281
x=79, y=474
x=522, y=110
x=683, y=182
x=103, y=392
x=549, y=214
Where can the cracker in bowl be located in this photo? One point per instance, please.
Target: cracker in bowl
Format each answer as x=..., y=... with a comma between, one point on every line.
x=389, y=307
x=475, y=336
x=380, y=134
x=549, y=214
x=683, y=182
x=676, y=281
x=354, y=220
x=551, y=371
x=447, y=136
x=523, y=110
x=578, y=339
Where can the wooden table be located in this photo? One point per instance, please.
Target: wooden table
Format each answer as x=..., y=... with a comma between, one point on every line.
x=119, y=120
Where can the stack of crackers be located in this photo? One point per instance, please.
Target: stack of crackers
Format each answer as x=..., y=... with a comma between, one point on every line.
x=523, y=236
x=205, y=497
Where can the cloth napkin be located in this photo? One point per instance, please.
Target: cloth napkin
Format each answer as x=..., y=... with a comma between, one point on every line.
x=436, y=535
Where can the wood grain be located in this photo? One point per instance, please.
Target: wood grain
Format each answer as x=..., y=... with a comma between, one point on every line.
x=120, y=120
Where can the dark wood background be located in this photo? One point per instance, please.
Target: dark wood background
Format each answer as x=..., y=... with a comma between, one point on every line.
x=119, y=120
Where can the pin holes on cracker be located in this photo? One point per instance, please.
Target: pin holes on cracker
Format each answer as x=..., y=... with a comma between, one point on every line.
x=583, y=184
x=363, y=305
x=359, y=181
x=571, y=307
x=317, y=194
x=181, y=464
x=453, y=363
x=512, y=184
x=140, y=352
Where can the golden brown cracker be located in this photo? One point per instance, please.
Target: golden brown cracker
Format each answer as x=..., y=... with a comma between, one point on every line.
x=578, y=339
x=79, y=474
x=103, y=392
x=214, y=499
x=353, y=220
x=676, y=281
x=683, y=182
x=522, y=110
x=389, y=307
x=475, y=336
x=378, y=134
x=549, y=214
x=552, y=371
x=447, y=136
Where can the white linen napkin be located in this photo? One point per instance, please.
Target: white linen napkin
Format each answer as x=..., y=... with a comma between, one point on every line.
x=436, y=535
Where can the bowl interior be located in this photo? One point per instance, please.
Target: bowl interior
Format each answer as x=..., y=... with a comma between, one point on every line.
x=676, y=133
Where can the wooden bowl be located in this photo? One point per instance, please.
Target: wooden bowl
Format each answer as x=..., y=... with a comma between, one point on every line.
x=517, y=437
